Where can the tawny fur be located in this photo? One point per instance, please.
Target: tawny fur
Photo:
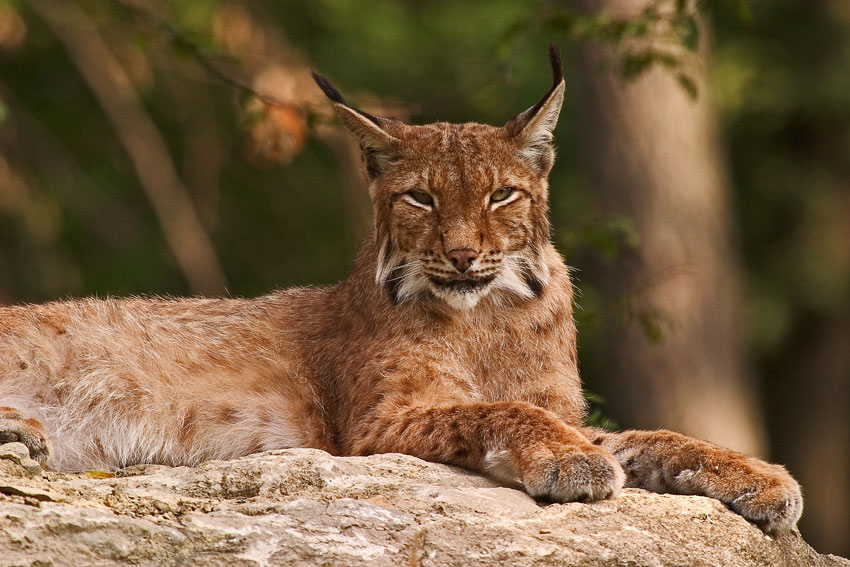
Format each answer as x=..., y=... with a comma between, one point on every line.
x=416, y=352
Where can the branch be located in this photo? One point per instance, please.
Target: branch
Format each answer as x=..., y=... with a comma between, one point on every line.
x=204, y=61
x=140, y=137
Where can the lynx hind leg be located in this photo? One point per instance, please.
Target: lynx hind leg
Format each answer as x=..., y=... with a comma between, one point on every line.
x=665, y=461
x=15, y=427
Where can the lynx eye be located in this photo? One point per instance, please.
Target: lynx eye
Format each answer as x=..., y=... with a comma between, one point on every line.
x=501, y=194
x=422, y=197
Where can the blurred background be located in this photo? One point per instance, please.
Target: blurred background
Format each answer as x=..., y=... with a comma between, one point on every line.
x=702, y=189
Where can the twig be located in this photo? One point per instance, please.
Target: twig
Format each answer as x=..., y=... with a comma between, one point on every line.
x=141, y=139
x=180, y=40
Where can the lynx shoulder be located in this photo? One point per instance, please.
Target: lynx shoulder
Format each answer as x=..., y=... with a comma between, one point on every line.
x=453, y=340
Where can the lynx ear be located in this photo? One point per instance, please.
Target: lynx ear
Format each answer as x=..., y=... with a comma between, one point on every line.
x=380, y=149
x=532, y=130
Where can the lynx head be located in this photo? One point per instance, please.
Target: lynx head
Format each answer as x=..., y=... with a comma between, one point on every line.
x=461, y=210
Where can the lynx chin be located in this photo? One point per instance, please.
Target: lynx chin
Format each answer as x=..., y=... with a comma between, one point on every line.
x=453, y=340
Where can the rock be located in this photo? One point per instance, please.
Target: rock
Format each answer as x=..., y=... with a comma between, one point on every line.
x=28, y=492
x=18, y=454
x=304, y=507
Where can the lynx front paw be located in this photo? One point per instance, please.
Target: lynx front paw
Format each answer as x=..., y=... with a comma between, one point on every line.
x=571, y=473
x=14, y=427
x=774, y=503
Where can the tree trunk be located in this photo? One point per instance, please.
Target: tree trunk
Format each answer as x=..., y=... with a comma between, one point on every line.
x=676, y=358
x=810, y=395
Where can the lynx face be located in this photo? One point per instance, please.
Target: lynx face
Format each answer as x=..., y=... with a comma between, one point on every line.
x=461, y=215
x=461, y=210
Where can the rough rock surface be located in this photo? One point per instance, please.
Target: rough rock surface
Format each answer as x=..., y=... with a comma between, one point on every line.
x=304, y=507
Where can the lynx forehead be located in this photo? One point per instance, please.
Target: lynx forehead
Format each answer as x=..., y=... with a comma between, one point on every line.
x=461, y=210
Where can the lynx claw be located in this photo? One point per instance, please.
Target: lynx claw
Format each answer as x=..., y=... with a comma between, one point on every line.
x=775, y=509
x=574, y=475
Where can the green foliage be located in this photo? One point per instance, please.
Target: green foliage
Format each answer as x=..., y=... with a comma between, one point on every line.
x=650, y=323
x=609, y=237
x=663, y=33
x=597, y=417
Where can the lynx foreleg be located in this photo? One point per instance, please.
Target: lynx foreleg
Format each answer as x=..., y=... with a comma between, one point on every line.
x=505, y=439
x=665, y=461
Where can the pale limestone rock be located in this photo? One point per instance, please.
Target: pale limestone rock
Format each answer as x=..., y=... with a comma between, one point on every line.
x=18, y=454
x=304, y=507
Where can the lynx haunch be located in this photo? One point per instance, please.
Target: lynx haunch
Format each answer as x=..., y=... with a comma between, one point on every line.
x=453, y=340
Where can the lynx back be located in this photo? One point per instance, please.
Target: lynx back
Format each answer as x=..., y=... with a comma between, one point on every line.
x=453, y=340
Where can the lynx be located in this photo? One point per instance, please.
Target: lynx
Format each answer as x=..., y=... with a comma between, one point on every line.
x=453, y=340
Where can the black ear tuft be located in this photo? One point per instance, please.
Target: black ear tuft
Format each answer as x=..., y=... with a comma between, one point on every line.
x=555, y=61
x=327, y=88
x=380, y=148
x=335, y=97
x=557, y=78
x=533, y=128
x=557, y=74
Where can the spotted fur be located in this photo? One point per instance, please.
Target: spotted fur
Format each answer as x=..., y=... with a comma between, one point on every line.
x=453, y=340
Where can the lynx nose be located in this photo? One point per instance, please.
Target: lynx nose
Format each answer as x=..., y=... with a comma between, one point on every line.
x=462, y=258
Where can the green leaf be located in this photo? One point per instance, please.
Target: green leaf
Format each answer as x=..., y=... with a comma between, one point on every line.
x=688, y=84
x=634, y=64
x=636, y=28
x=593, y=397
x=668, y=60
x=597, y=417
x=689, y=32
x=651, y=326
